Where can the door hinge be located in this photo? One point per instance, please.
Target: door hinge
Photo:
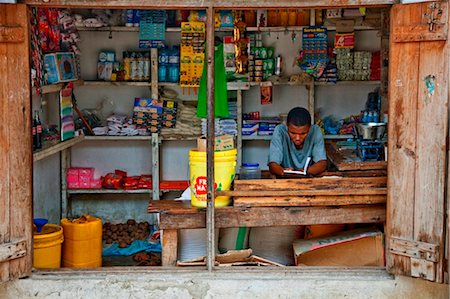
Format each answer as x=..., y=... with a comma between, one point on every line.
x=414, y=249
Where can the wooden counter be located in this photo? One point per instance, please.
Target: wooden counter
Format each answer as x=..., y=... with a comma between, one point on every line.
x=278, y=202
x=346, y=159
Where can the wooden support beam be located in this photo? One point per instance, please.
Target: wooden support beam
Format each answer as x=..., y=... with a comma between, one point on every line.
x=335, y=192
x=276, y=216
x=13, y=250
x=169, y=247
x=11, y=34
x=308, y=201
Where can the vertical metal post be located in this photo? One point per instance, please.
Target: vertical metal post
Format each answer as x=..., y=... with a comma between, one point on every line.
x=239, y=129
x=210, y=136
x=155, y=166
x=311, y=100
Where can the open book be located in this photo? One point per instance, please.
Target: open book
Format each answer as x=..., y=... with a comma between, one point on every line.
x=305, y=169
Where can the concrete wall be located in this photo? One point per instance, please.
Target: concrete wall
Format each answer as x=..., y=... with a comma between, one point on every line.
x=158, y=284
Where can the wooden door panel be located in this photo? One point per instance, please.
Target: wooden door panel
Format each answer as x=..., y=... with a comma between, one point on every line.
x=418, y=128
x=15, y=144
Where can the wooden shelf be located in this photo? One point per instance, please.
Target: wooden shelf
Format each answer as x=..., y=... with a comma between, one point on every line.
x=136, y=29
x=117, y=83
x=118, y=138
x=300, y=28
x=51, y=148
x=368, y=82
x=52, y=88
x=175, y=137
x=108, y=191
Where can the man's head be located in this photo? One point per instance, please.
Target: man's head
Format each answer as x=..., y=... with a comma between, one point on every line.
x=298, y=124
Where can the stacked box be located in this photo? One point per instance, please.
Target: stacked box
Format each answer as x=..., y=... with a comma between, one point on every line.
x=266, y=128
x=169, y=114
x=250, y=127
x=147, y=113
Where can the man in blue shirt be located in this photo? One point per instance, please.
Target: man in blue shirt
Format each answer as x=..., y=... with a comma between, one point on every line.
x=294, y=142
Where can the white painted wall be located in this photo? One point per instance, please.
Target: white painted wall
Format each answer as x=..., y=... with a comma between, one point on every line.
x=135, y=157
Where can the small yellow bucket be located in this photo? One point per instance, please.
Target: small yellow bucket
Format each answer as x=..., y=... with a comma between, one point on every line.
x=47, y=246
x=83, y=242
x=224, y=171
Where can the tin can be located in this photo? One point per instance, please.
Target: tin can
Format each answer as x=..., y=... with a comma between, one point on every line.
x=278, y=63
x=270, y=52
x=263, y=52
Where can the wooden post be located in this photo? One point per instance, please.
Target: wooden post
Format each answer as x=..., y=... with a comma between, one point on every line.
x=65, y=164
x=210, y=136
x=169, y=247
x=155, y=166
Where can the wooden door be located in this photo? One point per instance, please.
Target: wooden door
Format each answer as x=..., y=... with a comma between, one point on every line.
x=15, y=144
x=418, y=130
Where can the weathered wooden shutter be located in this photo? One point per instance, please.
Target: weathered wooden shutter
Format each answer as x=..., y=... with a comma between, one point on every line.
x=15, y=144
x=418, y=130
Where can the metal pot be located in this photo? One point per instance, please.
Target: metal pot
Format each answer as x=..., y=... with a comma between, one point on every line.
x=370, y=131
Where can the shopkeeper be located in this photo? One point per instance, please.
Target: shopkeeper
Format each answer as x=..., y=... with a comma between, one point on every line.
x=292, y=143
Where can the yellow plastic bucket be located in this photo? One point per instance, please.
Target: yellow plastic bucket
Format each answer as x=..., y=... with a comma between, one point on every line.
x=82, y=247
x=224, y=170
x=47, y=246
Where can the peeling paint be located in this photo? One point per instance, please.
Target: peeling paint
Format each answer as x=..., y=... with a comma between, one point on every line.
x=430, y=86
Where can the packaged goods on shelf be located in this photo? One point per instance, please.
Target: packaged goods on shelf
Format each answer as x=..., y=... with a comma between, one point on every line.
x=82, y=178
x=187, y=123
x=60, y=67
x=147, y=114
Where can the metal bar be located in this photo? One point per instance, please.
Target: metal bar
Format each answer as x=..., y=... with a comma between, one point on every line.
x=239, y=130
x=155, y=166
x=311, y=100
x=210, y=136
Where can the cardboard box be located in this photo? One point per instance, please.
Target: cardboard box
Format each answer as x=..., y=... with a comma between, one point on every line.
x=222, y=143
x=60, y=67
x=355, y=248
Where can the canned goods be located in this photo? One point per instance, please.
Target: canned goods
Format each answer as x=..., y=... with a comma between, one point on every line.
x=258, y=73
x=270, y=52
x=258, y=43
x=269, y=65
x=251, y=68
x=256, y=52
x=263, y=52
x=258, y=79
x=259, y=67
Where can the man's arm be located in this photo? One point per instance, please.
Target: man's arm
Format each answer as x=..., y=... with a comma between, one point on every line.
x=317, y=168
x=276, y=169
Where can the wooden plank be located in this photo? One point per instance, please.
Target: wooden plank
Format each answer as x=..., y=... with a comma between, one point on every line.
x=320, y=183
x=414, y=249
x=276, y=216
x=423, y=269
x=172, y=206
x=299, y=192
x=346, y=159
x=403, y=81
x=195, y=4
x=4, y=153
x=13, y=250
x=52, y=148
x=108, y=191
x=18, y=121
x=155, y=166
x=169, y=247
x=308, y=201
x=11, y=34
x=429, y=208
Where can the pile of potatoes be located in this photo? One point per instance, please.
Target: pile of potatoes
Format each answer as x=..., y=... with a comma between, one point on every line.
x=125, y=233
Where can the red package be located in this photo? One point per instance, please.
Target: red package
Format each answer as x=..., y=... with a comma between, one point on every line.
x=131, y=182
x=112, y=181
x=145, y=182
x=120, y=172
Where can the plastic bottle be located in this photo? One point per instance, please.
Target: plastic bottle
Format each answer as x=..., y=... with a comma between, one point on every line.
x=126, y=66
x=174, y=73
x=140, y=67
x=38, y=136
x=146, y=66
x=162, y=73
x=129, y=21
x=136, y=18
x=250, y=171
x=134, y=66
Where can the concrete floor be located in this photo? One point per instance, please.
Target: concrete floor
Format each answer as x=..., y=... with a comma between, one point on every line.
x=186, y=283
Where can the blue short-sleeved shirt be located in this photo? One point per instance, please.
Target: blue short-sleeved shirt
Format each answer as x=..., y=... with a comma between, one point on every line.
x=283, y=150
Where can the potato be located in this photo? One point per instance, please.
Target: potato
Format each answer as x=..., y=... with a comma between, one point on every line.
x=122, y=244
x=131, y=222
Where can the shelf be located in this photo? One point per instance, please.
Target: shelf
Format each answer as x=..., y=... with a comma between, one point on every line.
x=300, y=28
x=118, y=138
x=108, y=191
x=52, y=88
x=51, y=148
x=257, y=137
x=136, y=29
x=343, y=136
x=175, y=137
x=368, y=82
x=117, y=83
